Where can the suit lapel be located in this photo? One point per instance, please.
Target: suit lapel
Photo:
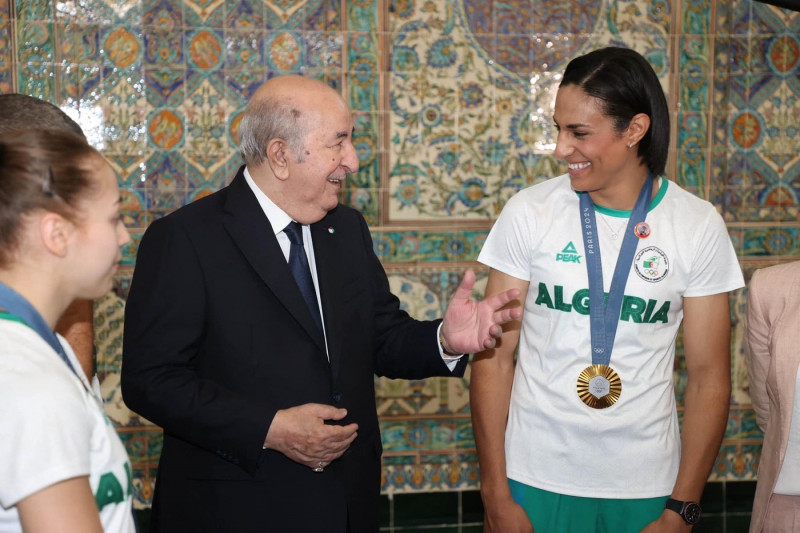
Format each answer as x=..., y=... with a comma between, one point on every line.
x=326, y=255
x=250, y=229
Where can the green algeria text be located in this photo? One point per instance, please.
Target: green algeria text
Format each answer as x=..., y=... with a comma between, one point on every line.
x=634, y=309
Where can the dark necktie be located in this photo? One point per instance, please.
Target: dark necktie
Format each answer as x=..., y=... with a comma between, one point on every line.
x=298, y=264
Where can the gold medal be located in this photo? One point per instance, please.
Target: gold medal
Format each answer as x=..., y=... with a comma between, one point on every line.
x=599, y=386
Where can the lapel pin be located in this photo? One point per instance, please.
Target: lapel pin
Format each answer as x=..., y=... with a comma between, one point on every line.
x=642, y=230
x=331, y=230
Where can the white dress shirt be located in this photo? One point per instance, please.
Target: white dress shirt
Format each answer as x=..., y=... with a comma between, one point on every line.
x=278, y=219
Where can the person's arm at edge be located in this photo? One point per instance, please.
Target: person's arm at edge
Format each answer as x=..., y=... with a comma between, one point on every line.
x=756, y=350
x=706, y=335
x=77, y=326
x=490, y=393
x=64, y=507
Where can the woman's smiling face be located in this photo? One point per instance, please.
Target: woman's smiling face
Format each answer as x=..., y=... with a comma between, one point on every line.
x=598, y=157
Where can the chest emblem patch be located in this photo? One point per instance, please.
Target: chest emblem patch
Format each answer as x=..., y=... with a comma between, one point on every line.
x=651, y=264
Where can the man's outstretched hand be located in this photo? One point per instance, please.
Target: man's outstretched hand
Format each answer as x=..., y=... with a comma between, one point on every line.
x=471, y=326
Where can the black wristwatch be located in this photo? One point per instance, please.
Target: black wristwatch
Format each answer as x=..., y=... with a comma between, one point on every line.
x=689, y=511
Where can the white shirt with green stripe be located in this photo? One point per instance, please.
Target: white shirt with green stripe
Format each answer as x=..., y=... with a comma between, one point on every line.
x=553, y=440
x=53, y=428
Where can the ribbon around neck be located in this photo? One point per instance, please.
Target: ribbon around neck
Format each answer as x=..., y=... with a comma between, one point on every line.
x=604, y=314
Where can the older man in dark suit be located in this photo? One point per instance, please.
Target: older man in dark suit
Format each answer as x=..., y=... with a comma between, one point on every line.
x=256, y=321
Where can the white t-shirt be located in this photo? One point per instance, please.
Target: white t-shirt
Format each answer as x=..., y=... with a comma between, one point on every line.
x=553, y=440
x=53, y=428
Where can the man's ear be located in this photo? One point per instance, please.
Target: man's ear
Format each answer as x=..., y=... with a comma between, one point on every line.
x=637, y=128
x=55, y=232
x=278, y=158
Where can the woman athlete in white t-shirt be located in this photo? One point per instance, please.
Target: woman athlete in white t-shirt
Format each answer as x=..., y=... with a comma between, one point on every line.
x=62, y=466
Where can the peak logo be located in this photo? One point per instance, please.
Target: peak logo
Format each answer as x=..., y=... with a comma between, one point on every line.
x=568, y=255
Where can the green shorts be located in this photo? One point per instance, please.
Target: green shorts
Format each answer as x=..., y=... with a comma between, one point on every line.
x=555, y=513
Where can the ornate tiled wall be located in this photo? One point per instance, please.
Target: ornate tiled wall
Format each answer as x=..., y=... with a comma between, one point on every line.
x=748, y=72
x=453, y=101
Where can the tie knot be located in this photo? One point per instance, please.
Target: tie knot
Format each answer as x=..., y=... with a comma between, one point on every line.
x=295, y=232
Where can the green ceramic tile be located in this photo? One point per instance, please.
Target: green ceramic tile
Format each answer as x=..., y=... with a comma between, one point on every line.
x=739, y=496
x=710, y=524
x=471, y=507
x=435, y=508
x=713, y=499
x=737, y=523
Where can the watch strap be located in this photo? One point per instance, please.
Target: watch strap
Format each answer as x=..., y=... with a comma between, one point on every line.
x=680, y=507
x=674, y=505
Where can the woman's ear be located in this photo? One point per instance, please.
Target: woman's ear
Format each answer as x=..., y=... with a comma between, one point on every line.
x=55, y=232
x=637, y=128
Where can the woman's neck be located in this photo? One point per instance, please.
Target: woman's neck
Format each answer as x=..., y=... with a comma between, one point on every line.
x=39, y=293
x=623, y=195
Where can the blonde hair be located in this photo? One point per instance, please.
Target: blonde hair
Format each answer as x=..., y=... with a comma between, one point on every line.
x=41, y=169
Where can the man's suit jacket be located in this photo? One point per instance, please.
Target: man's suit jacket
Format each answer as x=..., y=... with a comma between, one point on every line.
x=218, y=338
x=772, y=355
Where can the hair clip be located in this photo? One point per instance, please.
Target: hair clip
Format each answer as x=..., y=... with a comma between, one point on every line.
x=47, y=183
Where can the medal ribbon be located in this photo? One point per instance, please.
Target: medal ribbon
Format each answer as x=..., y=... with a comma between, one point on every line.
x=604, y=315
x=16, y=305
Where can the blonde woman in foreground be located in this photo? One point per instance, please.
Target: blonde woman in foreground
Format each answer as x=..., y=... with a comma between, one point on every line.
x=63, y=467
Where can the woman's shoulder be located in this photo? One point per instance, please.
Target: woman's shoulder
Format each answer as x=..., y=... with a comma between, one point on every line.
x=780, y=276
x=685, y=197
x=693, y=209
x=545, y=191
x=32, y=373
x=544, y=186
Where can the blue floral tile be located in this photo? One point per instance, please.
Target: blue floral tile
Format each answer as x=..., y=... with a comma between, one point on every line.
x=206, y=49
x=6, y=52
x=324, y=50
x=766, y=18
x=122, y=47
x=204, y=13
x=164, y=49
x=36, y=41
x=164, y=86
x=285, y=52
x=244, y=50
x=133, y=210
x=34, y=10
x=327, y=15
x=575, y=18
x=163, y=15
x=241, y=84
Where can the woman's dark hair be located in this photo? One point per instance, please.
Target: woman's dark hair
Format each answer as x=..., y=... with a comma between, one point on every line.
x=41, y=169
x=627, y=85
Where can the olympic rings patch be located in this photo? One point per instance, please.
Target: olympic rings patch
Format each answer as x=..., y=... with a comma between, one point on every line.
x=651, y=264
